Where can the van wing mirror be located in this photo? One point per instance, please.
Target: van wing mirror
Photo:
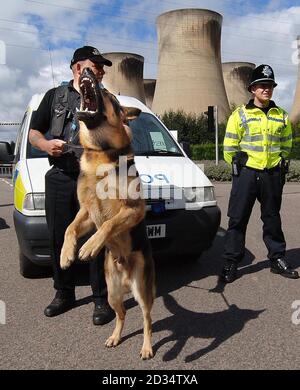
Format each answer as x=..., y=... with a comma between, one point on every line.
x=12, y=147
x=186, y=146
x=6, y=153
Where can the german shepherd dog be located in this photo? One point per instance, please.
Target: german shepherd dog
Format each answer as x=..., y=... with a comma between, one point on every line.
x=119, y=223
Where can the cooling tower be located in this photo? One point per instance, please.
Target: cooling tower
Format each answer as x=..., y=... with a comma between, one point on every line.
x=189, y=65
x=149, y=87
x=237, y=77
x=295, y=113
x=125, y=76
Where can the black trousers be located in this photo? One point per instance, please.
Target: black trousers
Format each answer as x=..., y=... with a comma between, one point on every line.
x=61, y=208
x=266, y=187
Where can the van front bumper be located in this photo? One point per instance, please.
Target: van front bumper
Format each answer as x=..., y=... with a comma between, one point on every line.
x=188, y=232
x=32, y=234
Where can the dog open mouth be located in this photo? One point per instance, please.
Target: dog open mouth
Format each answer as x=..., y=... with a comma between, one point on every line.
x=90, y=109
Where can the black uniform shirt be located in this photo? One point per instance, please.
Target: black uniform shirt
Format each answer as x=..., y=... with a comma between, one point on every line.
x=42, y=118
x=41, y=121
x=263, y=109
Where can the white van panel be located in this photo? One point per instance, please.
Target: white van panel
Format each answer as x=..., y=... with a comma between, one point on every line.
x=154, y=171
x=176, y=171
x=37, y=168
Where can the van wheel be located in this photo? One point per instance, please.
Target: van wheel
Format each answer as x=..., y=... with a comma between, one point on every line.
x=30, y=270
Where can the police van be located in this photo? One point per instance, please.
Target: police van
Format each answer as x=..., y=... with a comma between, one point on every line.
x=182, y=213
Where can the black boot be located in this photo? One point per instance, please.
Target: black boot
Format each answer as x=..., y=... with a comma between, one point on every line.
x=229, y=272
x=282, y=267
x=103, y=313
x=59, y=305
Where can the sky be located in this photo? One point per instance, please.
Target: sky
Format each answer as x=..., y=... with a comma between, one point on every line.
x=38, y=38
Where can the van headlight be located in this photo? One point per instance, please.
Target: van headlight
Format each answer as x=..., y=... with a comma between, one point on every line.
x=199, y=194
x=34, y=201
x=209, y=194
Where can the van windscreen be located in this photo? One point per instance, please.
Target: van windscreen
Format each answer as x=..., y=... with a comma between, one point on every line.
x=150, y=138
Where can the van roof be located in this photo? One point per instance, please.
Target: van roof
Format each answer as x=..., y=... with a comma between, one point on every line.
x=127, y=101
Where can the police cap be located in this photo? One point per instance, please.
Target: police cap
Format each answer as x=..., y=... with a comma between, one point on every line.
x=262, y=74
x=89, y=53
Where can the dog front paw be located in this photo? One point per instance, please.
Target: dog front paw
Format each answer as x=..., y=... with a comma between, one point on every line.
x=85, y=252
x=90, y=249
x=67, y=256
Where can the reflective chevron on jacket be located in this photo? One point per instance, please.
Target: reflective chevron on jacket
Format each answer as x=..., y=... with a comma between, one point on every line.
x=265, y=138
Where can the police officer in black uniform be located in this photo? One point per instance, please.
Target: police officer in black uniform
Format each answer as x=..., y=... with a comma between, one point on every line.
x=54, y=130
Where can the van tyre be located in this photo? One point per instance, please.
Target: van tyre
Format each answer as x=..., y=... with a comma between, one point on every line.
x=30, y=270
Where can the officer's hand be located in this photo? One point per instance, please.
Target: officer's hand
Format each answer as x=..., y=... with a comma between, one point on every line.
x=54, y=147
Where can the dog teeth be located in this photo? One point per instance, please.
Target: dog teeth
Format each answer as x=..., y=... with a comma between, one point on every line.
x=86, y=110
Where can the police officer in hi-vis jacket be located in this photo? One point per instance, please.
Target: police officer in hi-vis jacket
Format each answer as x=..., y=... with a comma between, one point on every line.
x=257, y=143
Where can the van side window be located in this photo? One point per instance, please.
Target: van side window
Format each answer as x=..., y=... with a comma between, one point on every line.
x=20, y=138
x=32, y=152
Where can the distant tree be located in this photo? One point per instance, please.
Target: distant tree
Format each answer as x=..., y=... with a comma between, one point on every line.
x=296, y=129
x=192, y=128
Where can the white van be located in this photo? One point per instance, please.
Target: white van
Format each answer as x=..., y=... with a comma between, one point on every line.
x=182, y=213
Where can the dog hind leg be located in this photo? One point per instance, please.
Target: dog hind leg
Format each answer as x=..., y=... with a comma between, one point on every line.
x=143, y=293
x=115, y=299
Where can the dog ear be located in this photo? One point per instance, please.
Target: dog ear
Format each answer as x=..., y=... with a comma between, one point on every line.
x=131, y=113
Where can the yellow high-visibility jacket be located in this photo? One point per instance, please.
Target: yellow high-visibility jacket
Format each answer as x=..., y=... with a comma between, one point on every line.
x=265, y=138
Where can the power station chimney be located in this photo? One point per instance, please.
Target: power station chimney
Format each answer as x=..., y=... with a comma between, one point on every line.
x=295, y=112
x=149, y=86
x=237, y=77
x=125, y=76
x=189, y=65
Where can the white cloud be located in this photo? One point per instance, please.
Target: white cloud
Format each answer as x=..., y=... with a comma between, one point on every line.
x=28, y=67
x=266, y=38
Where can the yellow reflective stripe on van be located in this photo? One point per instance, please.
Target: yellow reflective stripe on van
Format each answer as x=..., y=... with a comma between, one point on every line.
x=19, y=193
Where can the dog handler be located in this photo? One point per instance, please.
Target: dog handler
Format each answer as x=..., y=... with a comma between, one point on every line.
x=56, y=118
x=257, y=142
